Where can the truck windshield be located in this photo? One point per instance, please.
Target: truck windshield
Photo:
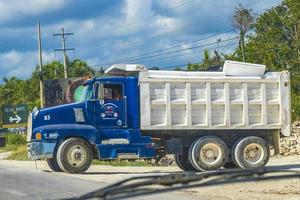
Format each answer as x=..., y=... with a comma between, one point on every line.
x=87, y=93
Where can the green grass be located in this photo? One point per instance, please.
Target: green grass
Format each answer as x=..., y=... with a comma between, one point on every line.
x=20, y=153
x=17, y=144
x=124, y=163
x=9, y=147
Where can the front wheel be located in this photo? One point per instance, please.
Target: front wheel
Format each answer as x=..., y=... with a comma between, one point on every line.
x=52, y=163
x=74, y=156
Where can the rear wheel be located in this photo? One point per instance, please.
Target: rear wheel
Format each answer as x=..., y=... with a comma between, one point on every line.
x=208, y=153
x=52, y=163
x=183, y=162
x=74, y=156
x=251, y=152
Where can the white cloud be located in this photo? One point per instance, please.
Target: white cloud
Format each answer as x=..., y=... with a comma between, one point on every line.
x=17, y=8
x=21, y=64
x=137, y=10
x=138, y=28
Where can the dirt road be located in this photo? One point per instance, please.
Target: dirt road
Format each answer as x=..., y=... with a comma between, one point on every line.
x=277, y=190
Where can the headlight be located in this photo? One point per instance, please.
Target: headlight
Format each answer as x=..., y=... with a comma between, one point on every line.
x=38, y=136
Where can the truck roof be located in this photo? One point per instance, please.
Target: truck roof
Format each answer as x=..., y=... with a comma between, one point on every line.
x=230, y=68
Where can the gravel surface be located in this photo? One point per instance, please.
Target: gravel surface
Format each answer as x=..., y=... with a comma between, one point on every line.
x=291, y=145
x=104, y=175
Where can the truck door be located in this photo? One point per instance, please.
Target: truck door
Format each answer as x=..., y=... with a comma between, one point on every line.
x=111, y=111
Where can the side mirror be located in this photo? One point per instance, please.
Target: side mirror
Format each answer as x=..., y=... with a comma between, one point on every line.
x=100, y=91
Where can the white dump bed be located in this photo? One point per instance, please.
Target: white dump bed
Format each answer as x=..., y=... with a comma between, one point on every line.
x=169, y=102
x=241, y=99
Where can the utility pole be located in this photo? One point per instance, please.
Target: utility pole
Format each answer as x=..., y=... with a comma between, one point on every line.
x=40, y=64
x=242, y=44
x=64, y=49
x=217, y=52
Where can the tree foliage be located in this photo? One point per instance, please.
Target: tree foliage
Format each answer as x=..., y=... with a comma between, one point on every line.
x=276, y=43
x=15, y=91
x=207, y=61
x=274, y=40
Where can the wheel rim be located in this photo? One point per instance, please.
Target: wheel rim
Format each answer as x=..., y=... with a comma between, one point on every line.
x=76, y=156
x=210, y=153
x=253, y=153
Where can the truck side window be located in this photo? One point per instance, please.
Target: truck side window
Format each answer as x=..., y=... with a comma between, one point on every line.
x=113, y=92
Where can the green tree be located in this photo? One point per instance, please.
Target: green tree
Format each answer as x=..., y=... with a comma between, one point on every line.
x=79, y=68
x=276, y=43
x=207, y=61
x=17, y=91
x=55, y=70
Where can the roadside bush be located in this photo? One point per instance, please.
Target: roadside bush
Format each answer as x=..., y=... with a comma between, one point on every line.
x=19, y=154
x=16, y=139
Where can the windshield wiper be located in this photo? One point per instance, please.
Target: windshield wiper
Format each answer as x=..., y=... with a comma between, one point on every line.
x=143, y=185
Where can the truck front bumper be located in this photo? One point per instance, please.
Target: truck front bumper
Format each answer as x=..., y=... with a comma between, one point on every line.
x=40, y=150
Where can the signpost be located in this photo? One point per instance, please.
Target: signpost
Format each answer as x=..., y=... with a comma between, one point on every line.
x=15, y=116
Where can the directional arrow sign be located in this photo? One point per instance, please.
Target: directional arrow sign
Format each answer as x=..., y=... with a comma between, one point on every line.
x=17, y=119
x=15, y=116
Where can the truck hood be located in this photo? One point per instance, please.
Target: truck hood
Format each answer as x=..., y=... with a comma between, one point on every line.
x=63, y=114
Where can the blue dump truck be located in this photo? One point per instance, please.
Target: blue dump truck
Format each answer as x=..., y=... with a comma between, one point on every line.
x=207, y=120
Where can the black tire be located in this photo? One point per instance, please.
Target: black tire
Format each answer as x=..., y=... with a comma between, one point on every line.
x=251, y=152
x=232, y=151
x=74, y=156
x=190, y=156
x=183, y=162
x=217, y=146
x=52, y=163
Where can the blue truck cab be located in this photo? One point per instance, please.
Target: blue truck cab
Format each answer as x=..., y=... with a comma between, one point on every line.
x=103, y=125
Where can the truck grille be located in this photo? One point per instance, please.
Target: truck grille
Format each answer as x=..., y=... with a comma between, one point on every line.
x=29, y=128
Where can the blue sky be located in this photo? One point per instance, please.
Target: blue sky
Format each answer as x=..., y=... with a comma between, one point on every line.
x=112, y=31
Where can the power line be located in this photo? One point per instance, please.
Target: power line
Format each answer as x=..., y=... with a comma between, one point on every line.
x=177, y=51
x=224, y=46
x=180, y=50
x=164, y=33
x=152, y=52
x=102, y=68
x=174, y=46
x=171, y=31
x=202, y=50
x=229, y=46
x=154, y=36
